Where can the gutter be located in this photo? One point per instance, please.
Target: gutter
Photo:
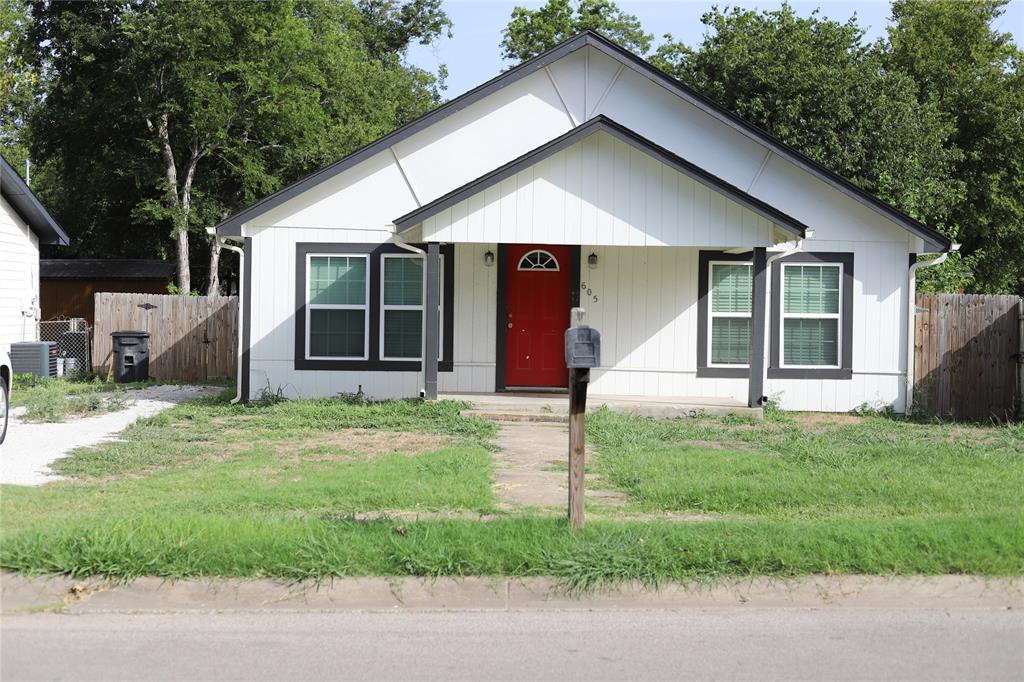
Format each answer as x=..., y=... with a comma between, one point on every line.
x=223, y=242
x=911, y=308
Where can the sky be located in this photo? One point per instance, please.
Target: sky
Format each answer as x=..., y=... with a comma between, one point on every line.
x=473, y=55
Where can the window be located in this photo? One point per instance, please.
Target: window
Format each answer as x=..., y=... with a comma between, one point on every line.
x=403, y=285
x=538, y=260
x=730, y=293
x=336, y=311
x=811, y=318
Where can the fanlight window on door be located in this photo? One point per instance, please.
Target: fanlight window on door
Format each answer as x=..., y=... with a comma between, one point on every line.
x=538, y=260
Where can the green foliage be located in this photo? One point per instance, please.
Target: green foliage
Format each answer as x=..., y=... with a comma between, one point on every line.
x=813, y=83
x=530, y=32
x=213, y=489
x=177, y=544
x=19, y=82
x=236, y=99
x=55, y=400
x=876, y=467
x=973, y=73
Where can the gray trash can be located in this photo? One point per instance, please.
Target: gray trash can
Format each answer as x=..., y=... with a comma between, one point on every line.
x=131, y=356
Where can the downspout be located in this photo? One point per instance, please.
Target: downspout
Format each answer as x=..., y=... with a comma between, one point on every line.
x=241, y=309
x=808, y=234
x=402, y=244
x=911, y=308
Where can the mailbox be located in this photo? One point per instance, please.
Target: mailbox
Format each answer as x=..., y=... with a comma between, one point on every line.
x=582, y=347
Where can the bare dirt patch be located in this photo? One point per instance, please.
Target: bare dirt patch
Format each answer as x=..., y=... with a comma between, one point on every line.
x=369, y=442
x=344, y=444
x=820, y=421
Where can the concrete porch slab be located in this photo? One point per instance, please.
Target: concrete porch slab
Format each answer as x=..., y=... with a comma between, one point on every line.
x=554, y=407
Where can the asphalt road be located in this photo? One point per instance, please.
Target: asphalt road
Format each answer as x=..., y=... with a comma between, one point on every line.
x=735, y=643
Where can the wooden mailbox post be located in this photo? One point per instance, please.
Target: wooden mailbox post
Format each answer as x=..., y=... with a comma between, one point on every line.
x=582, y=351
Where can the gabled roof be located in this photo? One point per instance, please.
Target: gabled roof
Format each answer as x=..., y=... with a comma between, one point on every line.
x=105, y=268
x=22, y=200
x=932, y=238
x=604, y=124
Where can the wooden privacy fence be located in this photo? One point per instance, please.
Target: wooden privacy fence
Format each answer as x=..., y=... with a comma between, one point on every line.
x=191, y=337
x=966, y=350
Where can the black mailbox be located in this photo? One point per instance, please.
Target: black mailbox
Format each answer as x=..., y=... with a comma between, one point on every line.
x=582, y=347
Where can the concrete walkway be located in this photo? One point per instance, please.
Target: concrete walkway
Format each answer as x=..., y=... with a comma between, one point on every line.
x=30, y=448
x=531, y=467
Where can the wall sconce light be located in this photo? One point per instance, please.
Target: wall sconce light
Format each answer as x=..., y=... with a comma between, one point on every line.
x=592, y=261
x=488, y=258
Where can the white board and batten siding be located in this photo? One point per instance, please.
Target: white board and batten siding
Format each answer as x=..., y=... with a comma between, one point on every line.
x=644, y=302
x=19, y=278
x=600, y=191
x=611, y=199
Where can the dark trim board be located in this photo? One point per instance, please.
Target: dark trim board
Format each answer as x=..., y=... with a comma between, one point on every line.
x=755, y=386
x=595, y=125
x=500, y=317
x=846, y=318
x=501, y=309
x=246, y=317
x=233, y=224
x=704, y=259
x=373, y=363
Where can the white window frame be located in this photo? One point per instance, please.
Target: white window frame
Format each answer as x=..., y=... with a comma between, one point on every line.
x=711, y=309
x=422, y=307
x=837, y=316
x=557, y=268
x=338, y=306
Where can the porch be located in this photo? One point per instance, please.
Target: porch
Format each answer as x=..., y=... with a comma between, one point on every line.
x=554, y=406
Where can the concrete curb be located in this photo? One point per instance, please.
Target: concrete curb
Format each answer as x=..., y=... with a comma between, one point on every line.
x=22, y=594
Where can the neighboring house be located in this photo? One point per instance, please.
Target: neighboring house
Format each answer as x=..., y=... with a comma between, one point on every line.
x=67, y=286
x=24, y=225
x=716, y=261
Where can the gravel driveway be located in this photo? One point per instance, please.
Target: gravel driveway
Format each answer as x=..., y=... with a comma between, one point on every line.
x=30, y=448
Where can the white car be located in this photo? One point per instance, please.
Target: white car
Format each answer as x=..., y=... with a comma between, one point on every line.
x=6, y=374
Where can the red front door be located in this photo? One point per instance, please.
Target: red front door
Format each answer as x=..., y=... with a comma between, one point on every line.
x=538, y=289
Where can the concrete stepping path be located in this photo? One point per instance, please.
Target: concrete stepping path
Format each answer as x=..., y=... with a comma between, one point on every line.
x=525, y=473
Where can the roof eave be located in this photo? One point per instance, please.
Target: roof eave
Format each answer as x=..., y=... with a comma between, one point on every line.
x=232, y=226
x=597, y=124
x=28, y=206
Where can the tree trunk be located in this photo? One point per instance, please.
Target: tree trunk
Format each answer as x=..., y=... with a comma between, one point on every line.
x=213, y=283
x=181, y=214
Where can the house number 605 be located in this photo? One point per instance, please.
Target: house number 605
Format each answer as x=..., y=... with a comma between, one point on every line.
x=588, y=291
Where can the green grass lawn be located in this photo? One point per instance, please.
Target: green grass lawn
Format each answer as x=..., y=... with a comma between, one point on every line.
x=313, y=489
x=59, y=399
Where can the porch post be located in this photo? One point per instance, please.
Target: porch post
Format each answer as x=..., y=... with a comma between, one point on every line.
x=431, y=320
x=757, y=324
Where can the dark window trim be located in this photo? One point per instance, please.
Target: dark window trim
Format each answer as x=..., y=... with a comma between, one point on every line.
x=703, y=270
x=373, y=363
x=846, y=318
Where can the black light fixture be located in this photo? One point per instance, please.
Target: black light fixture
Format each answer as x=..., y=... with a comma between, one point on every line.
x=488, y=258
x=592, y=261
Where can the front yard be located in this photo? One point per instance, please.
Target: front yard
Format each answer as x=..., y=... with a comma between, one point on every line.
x=313, y=489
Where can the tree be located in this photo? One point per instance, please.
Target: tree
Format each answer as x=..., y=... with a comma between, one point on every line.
x=974, y=74
x=530, y=32
x=814, y=84
x=193, y=110
x=19, y=82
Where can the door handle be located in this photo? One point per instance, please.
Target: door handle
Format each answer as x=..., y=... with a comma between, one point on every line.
x=509, y=325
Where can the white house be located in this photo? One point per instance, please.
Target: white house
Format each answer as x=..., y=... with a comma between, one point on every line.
x=714, y=260
x=24, y=225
